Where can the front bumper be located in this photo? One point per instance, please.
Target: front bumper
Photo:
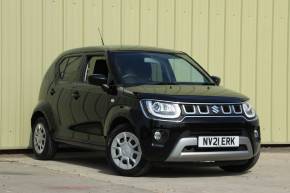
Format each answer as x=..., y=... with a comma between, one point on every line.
x=185, y=134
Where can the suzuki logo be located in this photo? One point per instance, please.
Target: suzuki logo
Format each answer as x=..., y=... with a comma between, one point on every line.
x=215, y=109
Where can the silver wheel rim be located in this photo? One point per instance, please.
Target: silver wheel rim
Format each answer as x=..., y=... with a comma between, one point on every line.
x=39, y=138
x=126, y=150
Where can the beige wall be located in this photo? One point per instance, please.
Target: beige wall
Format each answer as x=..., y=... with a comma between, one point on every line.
x=246, y=42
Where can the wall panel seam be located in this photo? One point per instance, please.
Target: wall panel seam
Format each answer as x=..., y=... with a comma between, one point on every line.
x=1, y=62
x=42, y=36
x=174, y=41
x=208, y=34
x=63, y=23
x=83, y=23
x=191, y=28
x=157, y=17
x=102, y=19
x=241, y=44
x=21, y=99
x=121, y=22
x=272, y=60
x=225, y=41
x=256, y=56
x=139, y=24
x=287, y=77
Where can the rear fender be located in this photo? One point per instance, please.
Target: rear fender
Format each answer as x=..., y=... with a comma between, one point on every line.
x=44, y=109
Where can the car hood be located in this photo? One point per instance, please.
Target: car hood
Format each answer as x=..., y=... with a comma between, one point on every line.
x=187, y=93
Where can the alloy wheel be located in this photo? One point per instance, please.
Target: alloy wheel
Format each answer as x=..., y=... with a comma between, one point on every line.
x=126, y=150
x=39, y=138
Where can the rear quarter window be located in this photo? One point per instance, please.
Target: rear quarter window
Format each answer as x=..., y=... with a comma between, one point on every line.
x=69, y=68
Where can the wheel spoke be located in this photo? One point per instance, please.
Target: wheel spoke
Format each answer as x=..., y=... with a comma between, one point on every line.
x=125, y=137
x=119, y=140
x=128, y=162
x=133, y=160
x=135, y=145
x=115, y=147
x=116, y=156
x=136, y=152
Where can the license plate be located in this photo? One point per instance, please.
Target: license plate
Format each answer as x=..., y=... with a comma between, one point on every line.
x=218, y=141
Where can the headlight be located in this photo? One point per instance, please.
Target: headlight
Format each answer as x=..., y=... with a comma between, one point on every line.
x=163, y=109
x=249, y=110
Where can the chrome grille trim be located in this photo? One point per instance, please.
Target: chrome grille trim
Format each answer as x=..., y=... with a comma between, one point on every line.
x=203, y=113
x=237, y=112
x=189, y=113
x=223, y=110
x=213, y=109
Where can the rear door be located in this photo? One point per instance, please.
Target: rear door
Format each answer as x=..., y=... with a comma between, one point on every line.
x=68, y=72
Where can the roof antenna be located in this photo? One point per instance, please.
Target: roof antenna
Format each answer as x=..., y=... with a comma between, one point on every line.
x=101, y=36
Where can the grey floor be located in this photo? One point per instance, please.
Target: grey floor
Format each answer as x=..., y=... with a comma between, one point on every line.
x=88, y=172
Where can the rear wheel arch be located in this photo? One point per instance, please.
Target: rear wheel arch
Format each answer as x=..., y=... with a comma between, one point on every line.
x=35, y=116
x=43, y=110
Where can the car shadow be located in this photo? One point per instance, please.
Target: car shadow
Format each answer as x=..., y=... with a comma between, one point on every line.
x=97, y=160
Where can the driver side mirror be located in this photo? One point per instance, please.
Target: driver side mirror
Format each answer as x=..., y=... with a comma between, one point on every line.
x=216, y=79
x=97, y=79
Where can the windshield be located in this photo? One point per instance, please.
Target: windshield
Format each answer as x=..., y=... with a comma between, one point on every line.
x=158, y=68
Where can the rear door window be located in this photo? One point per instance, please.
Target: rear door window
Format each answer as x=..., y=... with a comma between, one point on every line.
x=69, y=69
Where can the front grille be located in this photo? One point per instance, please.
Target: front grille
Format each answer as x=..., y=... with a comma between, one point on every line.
x=212, y=109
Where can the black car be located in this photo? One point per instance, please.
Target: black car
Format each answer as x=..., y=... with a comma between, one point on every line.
x=143, y=106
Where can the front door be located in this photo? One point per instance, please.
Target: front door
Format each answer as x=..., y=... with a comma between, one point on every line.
x=90, y=108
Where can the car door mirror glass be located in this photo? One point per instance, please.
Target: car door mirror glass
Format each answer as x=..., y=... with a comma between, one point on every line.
x=97, y=79
x=216, y=79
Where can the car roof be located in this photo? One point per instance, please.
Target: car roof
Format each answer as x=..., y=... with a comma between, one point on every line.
x=118, y=48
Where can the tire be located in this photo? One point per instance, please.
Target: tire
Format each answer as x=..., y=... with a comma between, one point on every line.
x=124, y=154
x=44, y=148
x=242, y=168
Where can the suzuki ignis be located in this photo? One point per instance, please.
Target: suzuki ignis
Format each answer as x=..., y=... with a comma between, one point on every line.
x=143, y=106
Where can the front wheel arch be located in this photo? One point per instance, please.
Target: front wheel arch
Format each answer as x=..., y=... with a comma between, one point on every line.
x=117, y=121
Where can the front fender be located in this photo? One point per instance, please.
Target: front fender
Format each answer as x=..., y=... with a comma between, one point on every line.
x=117, y=112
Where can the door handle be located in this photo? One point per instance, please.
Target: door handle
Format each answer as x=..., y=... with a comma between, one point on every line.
x=52, y=91
x=75, y=94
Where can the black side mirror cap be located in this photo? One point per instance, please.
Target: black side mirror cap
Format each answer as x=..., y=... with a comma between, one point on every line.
x=216, y=79
x=97, y=79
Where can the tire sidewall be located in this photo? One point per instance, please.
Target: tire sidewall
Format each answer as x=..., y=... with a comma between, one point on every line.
x=143, y=164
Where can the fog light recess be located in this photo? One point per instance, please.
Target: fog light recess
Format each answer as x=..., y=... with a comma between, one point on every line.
x=157, y=135
x=256, y=134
